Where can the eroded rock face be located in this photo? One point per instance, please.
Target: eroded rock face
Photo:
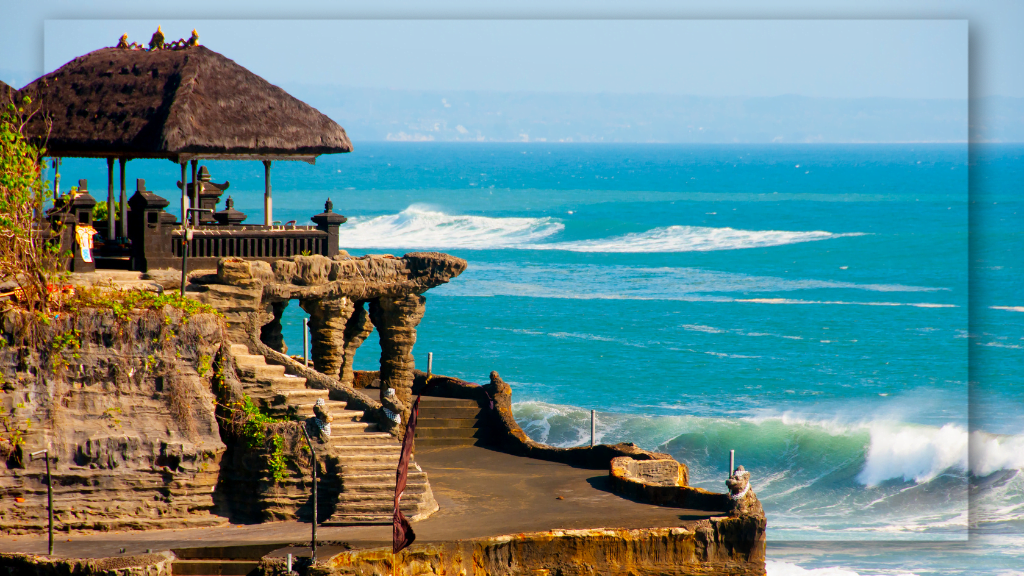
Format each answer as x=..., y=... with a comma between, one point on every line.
x=127, y=414
x=357, y=329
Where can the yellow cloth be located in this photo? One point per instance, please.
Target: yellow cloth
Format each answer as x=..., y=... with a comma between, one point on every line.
x=83, y=234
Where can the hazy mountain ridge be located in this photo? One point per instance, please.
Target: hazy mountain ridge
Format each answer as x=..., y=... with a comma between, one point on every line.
x=372, y=114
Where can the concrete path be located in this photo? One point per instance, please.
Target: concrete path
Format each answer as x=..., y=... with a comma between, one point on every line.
x=481, y=493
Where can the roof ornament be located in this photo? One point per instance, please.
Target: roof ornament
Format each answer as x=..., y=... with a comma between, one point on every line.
x=157, y=42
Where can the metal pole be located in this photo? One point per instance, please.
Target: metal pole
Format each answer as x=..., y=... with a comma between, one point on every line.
x=593, y=426
x=124, y=202
x=49, y=493
x=195, y=193
x=732, y=462
x=312, y=453
x=289, y=563
x=268, y=204
x=430, y=363
x=184, y=195
x=111, y=232
x=305, y=342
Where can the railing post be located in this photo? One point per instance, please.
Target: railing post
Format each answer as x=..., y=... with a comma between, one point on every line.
x=305, y=342
x=593, y=426
x=732, y=462
x=312, y=453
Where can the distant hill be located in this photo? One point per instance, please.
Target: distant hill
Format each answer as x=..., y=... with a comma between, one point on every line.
x=371, y=114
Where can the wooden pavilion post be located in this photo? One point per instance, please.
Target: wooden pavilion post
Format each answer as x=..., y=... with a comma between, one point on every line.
x=56, y=178
x=268, y=204
x=123, y=232
x=111, y=212
x=195, y=193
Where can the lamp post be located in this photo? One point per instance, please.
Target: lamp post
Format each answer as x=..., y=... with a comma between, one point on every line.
x=186, y=238
x=312, y=454
x=49, y=492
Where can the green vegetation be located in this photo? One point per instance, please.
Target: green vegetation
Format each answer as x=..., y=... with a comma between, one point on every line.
x=30, y=254
x=122, y=302
x=254, y=434
x=99, y=212
x=12, y=431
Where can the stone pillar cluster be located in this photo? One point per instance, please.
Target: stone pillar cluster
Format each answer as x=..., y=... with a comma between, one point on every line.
x=396, y=320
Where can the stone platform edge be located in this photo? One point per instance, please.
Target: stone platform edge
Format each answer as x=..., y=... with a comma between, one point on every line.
x=720, y=545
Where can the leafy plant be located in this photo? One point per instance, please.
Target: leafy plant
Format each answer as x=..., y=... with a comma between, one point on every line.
x=30, y=252
x=13, y=430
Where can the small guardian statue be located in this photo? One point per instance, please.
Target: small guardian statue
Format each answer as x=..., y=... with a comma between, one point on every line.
x=743, y=500
x=322, y=420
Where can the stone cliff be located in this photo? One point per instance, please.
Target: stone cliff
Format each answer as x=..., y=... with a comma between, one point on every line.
x=122, y=402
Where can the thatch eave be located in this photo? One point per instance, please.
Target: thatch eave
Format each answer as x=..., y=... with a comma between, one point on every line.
x=174, y=104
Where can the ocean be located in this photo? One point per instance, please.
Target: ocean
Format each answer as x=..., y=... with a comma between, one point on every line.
x=847, y=318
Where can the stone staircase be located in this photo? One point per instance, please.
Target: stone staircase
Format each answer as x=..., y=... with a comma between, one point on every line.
x=367, y=458
x=448, y=422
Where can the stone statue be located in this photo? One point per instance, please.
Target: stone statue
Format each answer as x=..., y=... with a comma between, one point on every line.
x=323, y=420
x=744, y=501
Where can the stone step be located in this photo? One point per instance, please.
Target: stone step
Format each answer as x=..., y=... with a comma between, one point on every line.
x=351, y=519
x=446, y=423
x=364, y=493
x=439, y=442
x=287, y=382
x=385, y=505
x=304, y=396
x=246, y=359
x=356, y=458
x=343, y=427
x=260, y=373
x=237, y=349
x=374, y=440
x=213, y=567
x=380, y=477
x=446, y=433
x=429, y=403
x=451, y=413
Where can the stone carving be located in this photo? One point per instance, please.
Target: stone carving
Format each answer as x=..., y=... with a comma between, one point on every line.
x=322, y=420
x=743, y=499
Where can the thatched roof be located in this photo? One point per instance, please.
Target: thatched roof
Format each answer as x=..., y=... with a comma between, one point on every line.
x=175, y=104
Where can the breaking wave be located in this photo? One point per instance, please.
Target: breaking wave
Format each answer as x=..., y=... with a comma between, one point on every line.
x=691, y=239
x=419, y=226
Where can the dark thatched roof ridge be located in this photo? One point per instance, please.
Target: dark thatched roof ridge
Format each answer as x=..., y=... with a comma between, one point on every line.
x=168, y=103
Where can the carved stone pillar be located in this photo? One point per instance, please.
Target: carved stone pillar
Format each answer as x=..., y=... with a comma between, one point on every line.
x=327, y=321
x=270, y=333
x=357, y=330
x=396, y=320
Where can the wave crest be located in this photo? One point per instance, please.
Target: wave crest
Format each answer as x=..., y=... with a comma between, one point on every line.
x=691, y=239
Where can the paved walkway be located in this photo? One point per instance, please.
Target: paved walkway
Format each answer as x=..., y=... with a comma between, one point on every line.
x=481, y=493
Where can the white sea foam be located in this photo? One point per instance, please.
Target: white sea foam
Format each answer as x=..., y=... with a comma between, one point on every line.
x=780, y=568
x=418, y=226
x=841, y=302
x=1009, y=308
x=992, y=453
x=917, y=453
x=691, y=239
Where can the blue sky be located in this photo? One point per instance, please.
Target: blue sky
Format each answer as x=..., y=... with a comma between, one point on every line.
x=993, y=28
x=752, y=58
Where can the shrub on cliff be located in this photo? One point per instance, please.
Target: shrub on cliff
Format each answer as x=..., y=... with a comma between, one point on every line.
x=28, y=255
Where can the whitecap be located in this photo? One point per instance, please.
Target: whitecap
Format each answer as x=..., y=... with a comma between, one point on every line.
x=691, y=239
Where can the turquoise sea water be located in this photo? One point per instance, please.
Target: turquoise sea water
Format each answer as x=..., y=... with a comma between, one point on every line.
x=847, y=318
